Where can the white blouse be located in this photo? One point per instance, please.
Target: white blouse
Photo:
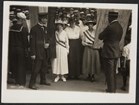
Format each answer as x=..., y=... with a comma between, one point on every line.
x=63, y=37
x=126, y=51
x=73, y=33
x=88, y=37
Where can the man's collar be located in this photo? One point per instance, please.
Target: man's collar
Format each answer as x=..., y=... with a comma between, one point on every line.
x=113, y=21
x=40, y=24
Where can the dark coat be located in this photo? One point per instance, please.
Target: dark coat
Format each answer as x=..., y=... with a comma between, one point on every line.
x=111, y=37
x=18, y=36
x=38, y=38
x=18, y=45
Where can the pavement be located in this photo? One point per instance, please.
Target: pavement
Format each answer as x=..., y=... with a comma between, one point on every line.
x=80, y=85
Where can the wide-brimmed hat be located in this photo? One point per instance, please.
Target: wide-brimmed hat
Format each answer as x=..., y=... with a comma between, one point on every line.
x=18, y=10
x=26, y=11
x=57, y=22
x=65, y=22
x=92, y=10
x=90, y=19
x=88, y=15
x=12, y=13
x=82, y=12
x=76, y=11
x=91, y=22
x=14, y=19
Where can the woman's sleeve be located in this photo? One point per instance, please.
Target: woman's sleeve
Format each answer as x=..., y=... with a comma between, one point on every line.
x=83, y=39
x=104, y=33
x=67, y=41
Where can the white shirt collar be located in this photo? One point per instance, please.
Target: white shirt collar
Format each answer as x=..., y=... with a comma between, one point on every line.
x=113, y=21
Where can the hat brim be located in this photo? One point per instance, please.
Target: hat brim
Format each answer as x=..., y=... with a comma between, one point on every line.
x=59, y=24
x=72, y=21
x=91, y=22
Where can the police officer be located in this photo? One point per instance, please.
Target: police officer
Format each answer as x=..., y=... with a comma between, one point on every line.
x=39, y=45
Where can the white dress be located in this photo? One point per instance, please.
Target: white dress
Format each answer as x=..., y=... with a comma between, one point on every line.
x=60, y=63
x=126, y=52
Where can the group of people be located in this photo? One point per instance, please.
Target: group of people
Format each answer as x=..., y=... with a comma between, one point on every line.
x=75, y=51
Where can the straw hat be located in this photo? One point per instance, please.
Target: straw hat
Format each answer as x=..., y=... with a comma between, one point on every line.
x=113, y=14
x=90, y=20
x=93, y=22
x=59, y=22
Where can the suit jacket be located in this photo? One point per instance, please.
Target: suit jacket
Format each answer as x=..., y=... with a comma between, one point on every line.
x=38, y=38
x=111, y=37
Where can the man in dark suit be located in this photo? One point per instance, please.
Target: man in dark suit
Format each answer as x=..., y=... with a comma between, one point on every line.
x=39, y=45
x=111, y=37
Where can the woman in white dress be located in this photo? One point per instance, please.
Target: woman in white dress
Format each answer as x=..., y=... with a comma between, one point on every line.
x=60, y=63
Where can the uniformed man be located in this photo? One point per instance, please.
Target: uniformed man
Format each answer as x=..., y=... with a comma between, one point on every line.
x=39, y=45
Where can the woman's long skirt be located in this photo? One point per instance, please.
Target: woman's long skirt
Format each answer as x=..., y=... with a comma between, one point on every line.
x=74, y=58
x=91, y=61
x=60, y=63
x=17, y=64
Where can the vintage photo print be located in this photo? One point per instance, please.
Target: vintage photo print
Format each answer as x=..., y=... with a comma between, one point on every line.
x=69, y=52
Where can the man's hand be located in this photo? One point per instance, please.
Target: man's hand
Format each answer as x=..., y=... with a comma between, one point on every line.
x=33, y=57
x=46, y=45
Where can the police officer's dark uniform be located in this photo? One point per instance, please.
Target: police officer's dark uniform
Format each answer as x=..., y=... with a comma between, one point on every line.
x=38, y=40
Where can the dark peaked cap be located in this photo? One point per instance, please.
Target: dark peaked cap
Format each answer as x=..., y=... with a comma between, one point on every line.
x=42, y=15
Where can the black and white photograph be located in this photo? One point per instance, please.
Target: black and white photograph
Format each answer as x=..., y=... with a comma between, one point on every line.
x=69, y=52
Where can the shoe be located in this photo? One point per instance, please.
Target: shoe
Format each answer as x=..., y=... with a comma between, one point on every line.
x=92, y=79
x=76, y=78
x=123, y=88
x=45, y=83
x=12, y=86
x=33, y=87
x=108, y=91
x=70, y=78
x=21, y=87
x=57, y=79
x=63, y=79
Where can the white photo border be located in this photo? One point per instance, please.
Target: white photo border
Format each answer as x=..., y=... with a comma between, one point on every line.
x=44, y=96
